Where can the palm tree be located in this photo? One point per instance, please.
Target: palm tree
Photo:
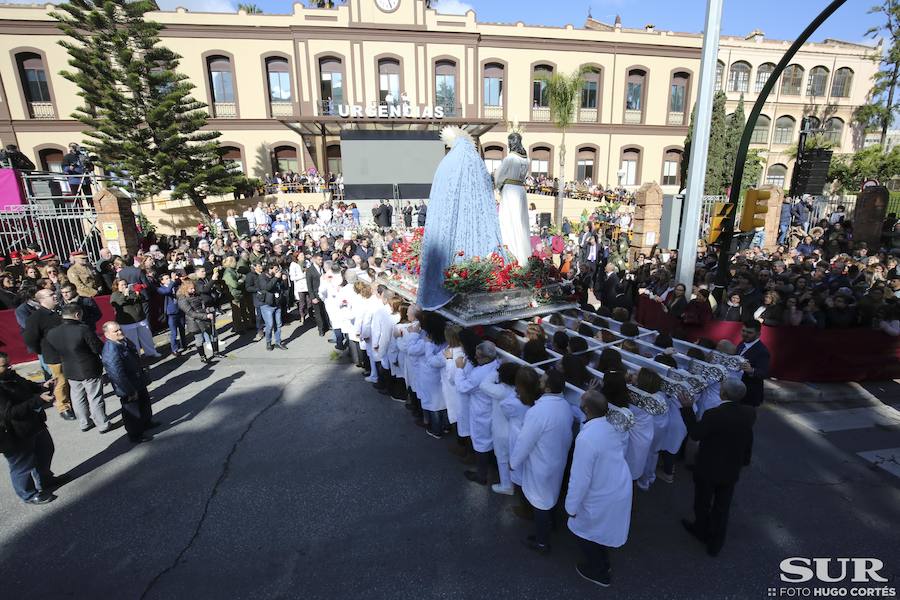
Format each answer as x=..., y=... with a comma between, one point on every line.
x=250, y=9
x=562, y=93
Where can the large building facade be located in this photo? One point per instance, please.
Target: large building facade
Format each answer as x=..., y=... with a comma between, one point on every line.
x=262, y=74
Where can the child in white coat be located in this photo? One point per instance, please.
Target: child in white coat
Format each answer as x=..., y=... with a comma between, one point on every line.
x=501, y=389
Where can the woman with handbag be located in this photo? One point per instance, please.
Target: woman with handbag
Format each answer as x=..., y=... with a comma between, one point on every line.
x=197, y=319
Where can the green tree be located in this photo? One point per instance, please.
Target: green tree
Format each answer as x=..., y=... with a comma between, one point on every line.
x=716, y=182
x=734, y=130
x=562, y=92
x=850, y=170
x=688, y=141
x=142, y=121
x=251, y=9
x=753, y=167
x=882, y=110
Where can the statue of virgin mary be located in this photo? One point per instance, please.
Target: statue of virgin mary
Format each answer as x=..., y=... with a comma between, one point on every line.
x=462, y=217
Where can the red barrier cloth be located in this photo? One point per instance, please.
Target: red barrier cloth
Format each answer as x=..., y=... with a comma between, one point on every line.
x=798, y=353
x=11, y=339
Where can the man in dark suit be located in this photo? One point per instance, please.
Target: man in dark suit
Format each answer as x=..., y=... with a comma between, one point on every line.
x=422, y=215
x=313, y=277
x=756, y=367
x=251, y=283
x=384, y=213
x=607, y=286
x=725, y=434
x=407, y=214
x=129, y=382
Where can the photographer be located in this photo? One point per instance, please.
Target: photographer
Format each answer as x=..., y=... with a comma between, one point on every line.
x=199, y=319
x=271, y=289
x=76, y=164
x=130, y=304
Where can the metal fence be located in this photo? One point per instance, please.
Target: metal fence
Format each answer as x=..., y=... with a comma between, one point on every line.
x=706, y=212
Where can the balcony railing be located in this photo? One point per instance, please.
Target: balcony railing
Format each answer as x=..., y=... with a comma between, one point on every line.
x=41, y=110
x=675, y=118
x=633, y=117
x=587, y=115
x=540, y=113
x=451, y=110
x=282, y=109
x=225, y=110
x=492, y=112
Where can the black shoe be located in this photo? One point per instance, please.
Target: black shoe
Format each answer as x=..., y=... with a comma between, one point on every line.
x=270, y=347
x=204, y=359
x=474, y=477
x=111, y=426
x=601, y=580
x=139, y=439
x=152, y=425
x=41, y=498
x=532, y=544
x=281, y=346
x=219, y=355
x=691, y=528
x=712, y=550
x=523, y=513
x=88, y=427
x=55, y=483
x=67, y=415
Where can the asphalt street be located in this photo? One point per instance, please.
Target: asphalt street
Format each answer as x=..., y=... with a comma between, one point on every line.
x=284, y=475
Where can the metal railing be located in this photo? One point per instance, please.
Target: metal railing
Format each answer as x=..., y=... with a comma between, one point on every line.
x=706, y=212
x=540, y=113
x=282, y=109
x=225, y=110
x=675, y=118
x=492, y=112
x=41, y=110
x=51, y=228
x=587, y=115
x=633, y=117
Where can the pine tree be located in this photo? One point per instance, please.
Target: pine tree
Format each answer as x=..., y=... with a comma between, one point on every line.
x=686, y=156
x=715, y=159
x=736, y=123
x=142, y=121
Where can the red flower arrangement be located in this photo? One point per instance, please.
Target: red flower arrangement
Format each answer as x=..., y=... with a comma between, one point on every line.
x=406, y=253
x=493, y=274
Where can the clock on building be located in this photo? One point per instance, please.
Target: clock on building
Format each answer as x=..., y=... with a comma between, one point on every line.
x=387, y=5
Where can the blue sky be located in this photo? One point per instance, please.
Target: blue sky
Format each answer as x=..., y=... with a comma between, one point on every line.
x=779, y=19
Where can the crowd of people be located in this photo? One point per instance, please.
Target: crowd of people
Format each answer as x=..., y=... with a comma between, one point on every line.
x=584, y=189
x=310, y=183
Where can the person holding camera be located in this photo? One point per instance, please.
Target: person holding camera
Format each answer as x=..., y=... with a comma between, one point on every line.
x=130, y=305
x=198, y=318
x=271, y=288
x=77, y=163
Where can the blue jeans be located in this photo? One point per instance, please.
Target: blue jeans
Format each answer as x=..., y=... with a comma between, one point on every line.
x=272, y=317
x=338, y=337
x=176, y=328
x=29, y=466
x=259, y=320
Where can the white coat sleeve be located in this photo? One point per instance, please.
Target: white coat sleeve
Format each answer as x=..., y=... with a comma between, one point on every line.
x=493, y=388
x=528, y=438
x=464, y=382
x=579, y=476
x=405, y=341
x=436, y=359
x=416, y=347
x=510, y=406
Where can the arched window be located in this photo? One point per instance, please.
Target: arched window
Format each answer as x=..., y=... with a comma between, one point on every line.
x=629, y=170
x=784, y=130
x=35, y=87
x=584, y=165
x=389, y=80
x=834, y=127
x=445, y=86
x=776, y=175
x=678, y=88
x=221, y=86
x=672, y=167
x=539, y=98
x=739, y=77
x=818, y=82
x=285, y=159
x=840, y=84
x=493, y=156
x=590, y=89
x=813, y=122
x=540, y=161
x=331, y=83
x=635, y=89
x=493, y=85
x=278, y=73
x=761, y=130
x=231, y=157
x=763, y=72
x=720, y=72
x=792, y=80
x=333, y=154
x=51, y=160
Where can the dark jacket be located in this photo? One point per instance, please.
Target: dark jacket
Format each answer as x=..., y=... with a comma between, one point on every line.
x=23, y=311
x=383, y=214
x=758, y=355
x=422, y=216
x=250, y=286
x=407, y=215
x=123, y=365
x=363, y=253
x=725, y=434
x=271, y=289
x=78, y=349
x=724, y=312
x=206, y=289
x=38, y=324
x=195, y=316
x=129, y=308
x=313, y=278
x=90, y=312
x=21, y=410
x=8, y=299
x=170, y=302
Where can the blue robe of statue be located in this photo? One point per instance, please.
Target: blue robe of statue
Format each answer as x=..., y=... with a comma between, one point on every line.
x=462, y=215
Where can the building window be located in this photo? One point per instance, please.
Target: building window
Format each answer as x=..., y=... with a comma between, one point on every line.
x=784, y=130
x=51, y=160
x=333, y=154
x=493, y=156
x=34, y=77
x=818, y=82
x=231, y=158
x=331, y=78
x=672, y=167
x=763, y=72
x=629, y=169
x=634, y=90
x=389, y=80
x=285, y=159
x=590, y=90
x=221, y=79
x=540, y=161
x=739, y=77
x=678, y=93
x=792, y=80
x=493, y=84
x=584, y=166
x=834, y=127
x=445, y=86
x=720, y=71
x=813, y=123
x=539, y=98
x=776, y=175
x=840, y=84
x=279, y=75
x=761, y=130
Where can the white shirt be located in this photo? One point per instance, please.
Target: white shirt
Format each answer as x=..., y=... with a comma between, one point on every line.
x=480, y=403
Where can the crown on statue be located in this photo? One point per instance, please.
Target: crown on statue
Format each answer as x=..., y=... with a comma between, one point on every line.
x=515, y=127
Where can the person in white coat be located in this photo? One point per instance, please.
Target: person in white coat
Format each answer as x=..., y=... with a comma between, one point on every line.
x=427, y=356
x=528, y=390
x=408, y=335
x=480, y=406
x=396, y=367
x=469, y=341
x=541, y=452
x=640, y=435
x=329, y=287
x=503, y=387
x=358, y=301
x=599, y=495
x=448, y=374
x=297, y=275
x=365, y=330
x=383, y=321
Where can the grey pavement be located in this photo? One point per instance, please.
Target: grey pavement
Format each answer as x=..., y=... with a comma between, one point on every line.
x=283, y=475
